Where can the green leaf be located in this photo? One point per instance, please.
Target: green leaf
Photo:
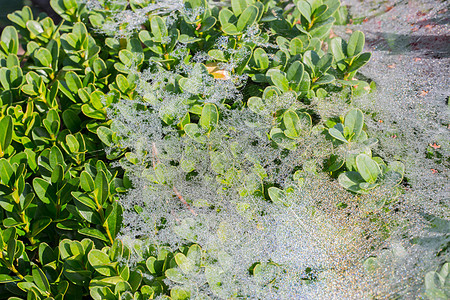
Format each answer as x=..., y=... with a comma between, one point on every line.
x=6, y=133
x=227, y=21
x=11, y=222
x=332, y=7
x=295, y=46
x=6, y=279
x=186, y=265
x=337, y=134
x=279, y=79
x=135, y=279
x=351, y=181
x=122, y=83
x=101, y=187
x=35, y=28
x=277, y=196
x=247, y=18
x=193, y=131
x=277, y=135
x=255, y=104
x=355, y=43
x=46, y=254
x=114, y=213
x=305, y=9
x=85, y=200
x=44, y=191
x=261, y=59
x=311, y=60
x=178, y=293
x=40, y=279
x=73, y=82
x=11, y=245
x=338, y=47
x=71, y=120
x=39, y=225
x=6, y=171
x=105, y=135
x=195, y=253
x=368, y=168
x=100, y=262
x=238, y=6
x=86, y=182
x=10, y=38
x=354, y=120
x=102, y=293
x=43, y=57
x=72, y=143
x=359, y=61
x=93, y=233
x=208, y=23
x=295, y=75
x=292, y=123
x=176, y=276
x=57, y=174
x=159, y=29
x=324, y=63
x=210, y=116
x=11, y=77
x=56, y=157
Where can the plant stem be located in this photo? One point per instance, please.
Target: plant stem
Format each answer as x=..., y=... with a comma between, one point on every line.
x=155, y=160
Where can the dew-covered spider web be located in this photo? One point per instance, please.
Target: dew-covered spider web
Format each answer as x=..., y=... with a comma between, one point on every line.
x=325, y=243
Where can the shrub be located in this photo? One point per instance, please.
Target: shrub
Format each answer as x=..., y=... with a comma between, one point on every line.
x=177, y=149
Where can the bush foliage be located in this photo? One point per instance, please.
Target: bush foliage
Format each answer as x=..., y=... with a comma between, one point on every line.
x=131, y=126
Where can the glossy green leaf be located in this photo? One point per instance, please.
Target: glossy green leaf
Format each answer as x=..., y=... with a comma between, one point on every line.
x=292, y=124
x=159, y=29
x=85, y=199
x=100, y=262
x=305, y=9
x=295, y=75
x=261, y=59
x=355, y=43
x=368, y=168
x=255, y=104
x=135, y=279
x=73, y=82
x=238, y=6
x=210, y=116
x=39, y=225
x=11, y=78
x=93, y=233
x=247, y=18
x=359, y=61
x=337, y=134
x=279, y=80
x=351, y=181
x=10, y=39
x=6, y=133
x=179, y=293
x=11, y=245
x=44, y=191
x=86, y=182
x=227, y=21
x=101, y=187
x=194, y=132
x=40, y=279
x=114, y=218
x=105, y=135
x=354, y=120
